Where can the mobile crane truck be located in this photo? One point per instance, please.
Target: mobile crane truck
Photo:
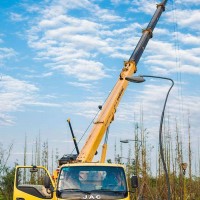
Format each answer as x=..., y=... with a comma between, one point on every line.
x=79, y=177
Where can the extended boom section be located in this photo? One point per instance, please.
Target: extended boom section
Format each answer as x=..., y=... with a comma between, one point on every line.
x=147, y=33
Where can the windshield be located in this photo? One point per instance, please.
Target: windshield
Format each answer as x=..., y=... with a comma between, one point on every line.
x=86, y=182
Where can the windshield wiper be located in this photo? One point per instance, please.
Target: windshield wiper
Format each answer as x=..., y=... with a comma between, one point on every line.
x=75, y=190
x=107, y=190
x=102, y=190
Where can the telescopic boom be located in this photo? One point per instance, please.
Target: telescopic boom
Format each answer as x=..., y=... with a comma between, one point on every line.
x=106, y=115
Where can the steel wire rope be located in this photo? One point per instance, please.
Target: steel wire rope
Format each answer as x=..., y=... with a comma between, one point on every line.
x=182, y=117
x=92, y=121
x=178, y=65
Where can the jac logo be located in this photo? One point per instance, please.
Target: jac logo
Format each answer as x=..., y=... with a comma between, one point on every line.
x=92, y=197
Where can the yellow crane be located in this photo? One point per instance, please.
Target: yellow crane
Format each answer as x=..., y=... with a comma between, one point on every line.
x=79, y=177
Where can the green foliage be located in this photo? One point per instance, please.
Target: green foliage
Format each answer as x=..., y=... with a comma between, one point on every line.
x=6, y=184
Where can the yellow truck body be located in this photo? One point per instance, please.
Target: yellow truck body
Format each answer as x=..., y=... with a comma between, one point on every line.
x=30, y=186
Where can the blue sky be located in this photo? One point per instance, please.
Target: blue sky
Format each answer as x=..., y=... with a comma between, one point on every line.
x=60, y=59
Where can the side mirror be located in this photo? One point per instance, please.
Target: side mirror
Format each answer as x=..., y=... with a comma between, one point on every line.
x=134, y=181
x=48, y=185
x=34, y=169
x=47, y=182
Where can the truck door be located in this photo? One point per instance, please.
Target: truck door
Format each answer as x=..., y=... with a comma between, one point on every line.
x=29, y=184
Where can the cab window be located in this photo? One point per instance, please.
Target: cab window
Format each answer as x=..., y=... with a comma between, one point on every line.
x=31, y=181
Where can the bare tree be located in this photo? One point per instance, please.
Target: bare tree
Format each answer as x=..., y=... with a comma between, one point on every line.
x=4, y=156
x=6, y=174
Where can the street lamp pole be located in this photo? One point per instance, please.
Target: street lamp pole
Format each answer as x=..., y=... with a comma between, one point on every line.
x=136, y=152
x=139, y=79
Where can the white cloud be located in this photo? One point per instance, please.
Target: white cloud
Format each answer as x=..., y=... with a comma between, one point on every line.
x=186, y=2
x=189, y=69
x=116, y=2
x=86, y=86
x=11, y=84
x=62, y=5
x=147, y=7
x=44, y=104
x=15, y=95
x=188, y=38
x=84, y=70
x=108, y=16
x=69, y=50
x=6, y=120
x=85, y=108
x=6, y=53
x=175, y=59
x=73, y=45
x=17, y=17
x=185, y=18
x=44, y=75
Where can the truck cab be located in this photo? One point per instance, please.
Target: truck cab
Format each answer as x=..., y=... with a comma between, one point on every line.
x=75, y=181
